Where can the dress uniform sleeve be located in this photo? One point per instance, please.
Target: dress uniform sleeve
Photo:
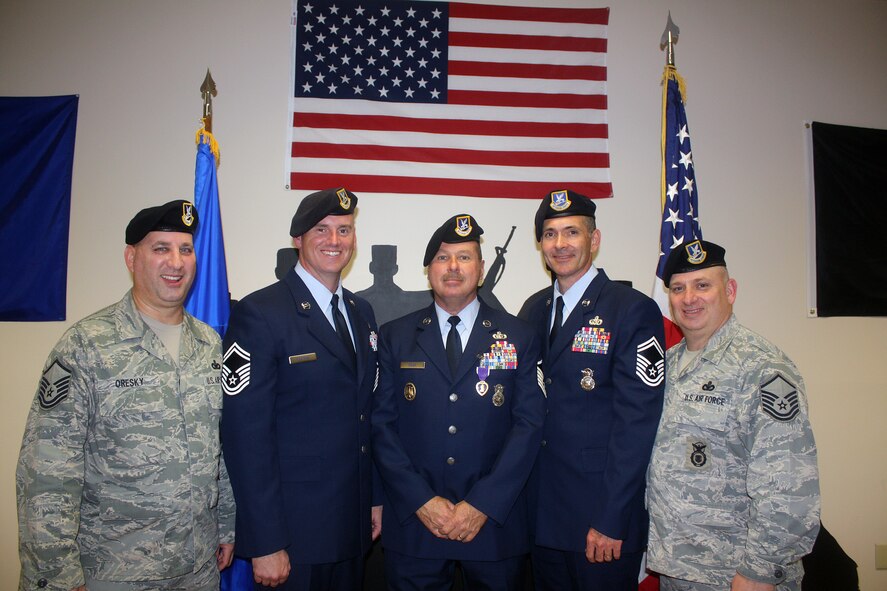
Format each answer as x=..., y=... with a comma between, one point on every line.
x=405, y=489
x=495, y=493
x=783, y=479
x=49, y=475
x=637, y=406
x=248, y=435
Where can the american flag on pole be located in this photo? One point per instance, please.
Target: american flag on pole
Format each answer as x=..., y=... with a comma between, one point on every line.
x=680, y=200
x=449, y=98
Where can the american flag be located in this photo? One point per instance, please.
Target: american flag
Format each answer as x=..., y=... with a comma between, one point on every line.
x=449, y=98
x=680, y=201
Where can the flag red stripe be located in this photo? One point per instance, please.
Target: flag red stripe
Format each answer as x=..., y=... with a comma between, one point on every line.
x=541, y=42
x=673, y=333
x=546, y=71
x=522, y=99
x=435, y=186
x=451, y=155
x=450, y=126
x=650, y=583
x=587, y=16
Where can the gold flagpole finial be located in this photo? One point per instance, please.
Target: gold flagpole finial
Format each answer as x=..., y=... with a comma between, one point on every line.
x=669, y=40
x=207, y=91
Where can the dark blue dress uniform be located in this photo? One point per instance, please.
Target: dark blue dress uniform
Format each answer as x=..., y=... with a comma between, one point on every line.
x=296, y=425
x=604, y=377
x=435, y=435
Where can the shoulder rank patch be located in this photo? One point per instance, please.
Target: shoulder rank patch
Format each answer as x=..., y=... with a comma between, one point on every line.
x=54, y=384
x=235, y=371
x=779, y=399
x=650, y=362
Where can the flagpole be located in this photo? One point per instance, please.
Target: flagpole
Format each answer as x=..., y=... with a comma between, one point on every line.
x=214, y=308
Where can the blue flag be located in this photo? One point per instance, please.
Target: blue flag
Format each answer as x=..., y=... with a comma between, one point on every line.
x=209, y=300
x=36, y=164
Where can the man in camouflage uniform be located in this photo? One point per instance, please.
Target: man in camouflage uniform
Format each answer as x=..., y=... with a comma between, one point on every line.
x=120, y=484
x=733, y=487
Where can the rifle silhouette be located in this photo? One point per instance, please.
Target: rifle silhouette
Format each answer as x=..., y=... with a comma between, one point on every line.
x=495, y=273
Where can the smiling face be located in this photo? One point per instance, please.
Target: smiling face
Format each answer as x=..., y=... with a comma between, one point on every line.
x=326, y=248
x=163, y=267
x=568, y=245
x=454, y=274
x=701, y=302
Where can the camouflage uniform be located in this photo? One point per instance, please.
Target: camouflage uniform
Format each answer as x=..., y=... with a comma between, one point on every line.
x=733, y=484
x=119, y=472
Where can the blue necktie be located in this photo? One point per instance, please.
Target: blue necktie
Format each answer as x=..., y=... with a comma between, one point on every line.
x=558, y=319
x=454, y=345
x=342, y=330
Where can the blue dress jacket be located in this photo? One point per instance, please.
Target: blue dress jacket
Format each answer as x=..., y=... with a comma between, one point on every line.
x=296, y=425
x=434, y=435
x=605, y=379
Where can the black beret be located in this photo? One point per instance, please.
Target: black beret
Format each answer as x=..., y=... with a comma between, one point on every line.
x=175, y=216
x=459, y=228
x=696, y=255
x=317, y=206
x=562, y=203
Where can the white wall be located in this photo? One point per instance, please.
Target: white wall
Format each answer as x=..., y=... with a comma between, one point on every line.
x=755, y=71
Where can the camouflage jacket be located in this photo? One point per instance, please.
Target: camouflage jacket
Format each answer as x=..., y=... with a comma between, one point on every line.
x=120, y=472
x=733, y=484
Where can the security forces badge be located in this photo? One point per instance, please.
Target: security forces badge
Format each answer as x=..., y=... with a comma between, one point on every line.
x=187, y=213
x=235, y=371
x=344, y=199
x=463, y=225
x=650, y=362
x=697, y=456
x=54, y=385
x=560, y=200
x=779, y=399
x=695, y=253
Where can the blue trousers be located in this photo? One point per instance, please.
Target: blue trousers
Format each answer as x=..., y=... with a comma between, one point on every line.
x=406, y=573
x=560, y=570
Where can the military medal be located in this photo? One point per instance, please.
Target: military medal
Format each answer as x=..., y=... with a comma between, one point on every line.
x=409, y=391
x=498, y=395
x=587, y=381
x=482, y=387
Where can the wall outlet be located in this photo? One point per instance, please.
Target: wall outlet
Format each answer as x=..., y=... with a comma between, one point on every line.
x=881, y=556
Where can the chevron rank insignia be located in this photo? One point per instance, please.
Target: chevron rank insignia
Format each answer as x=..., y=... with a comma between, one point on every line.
x=54, y=384
x=235, y=371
